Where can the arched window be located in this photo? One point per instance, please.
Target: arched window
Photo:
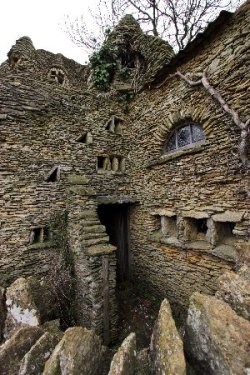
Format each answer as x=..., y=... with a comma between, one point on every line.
x=184, y=135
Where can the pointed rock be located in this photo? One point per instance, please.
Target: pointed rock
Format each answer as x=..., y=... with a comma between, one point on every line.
x=124, y=361
x=14, y=349
x=79, y=352
x=166, y=347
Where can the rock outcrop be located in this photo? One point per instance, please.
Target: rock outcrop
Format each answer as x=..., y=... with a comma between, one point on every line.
x=217, y=339
x=166, y=346
x=33, y=362
x=14, y=349
x=124, y=361
x=79, y=352
x=235, y=290
x=25, y=307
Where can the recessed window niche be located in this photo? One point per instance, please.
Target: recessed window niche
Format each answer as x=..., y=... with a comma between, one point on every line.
x=195, y=229
x=85, y=138
x=224, y=233
x=40, y=235
x=53, y=175
x=114, y=125
x=169, y=226
x=57, y=75
x=110, y=163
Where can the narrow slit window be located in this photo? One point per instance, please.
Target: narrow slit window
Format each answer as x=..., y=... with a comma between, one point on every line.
x=37, y=235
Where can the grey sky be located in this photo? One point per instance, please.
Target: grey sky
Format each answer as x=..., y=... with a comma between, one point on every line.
x=40, y=21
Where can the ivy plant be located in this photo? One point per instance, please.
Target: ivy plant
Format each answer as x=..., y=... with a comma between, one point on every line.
x=103, y=63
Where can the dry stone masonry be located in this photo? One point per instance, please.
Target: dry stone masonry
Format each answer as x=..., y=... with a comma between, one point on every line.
x=147, y=177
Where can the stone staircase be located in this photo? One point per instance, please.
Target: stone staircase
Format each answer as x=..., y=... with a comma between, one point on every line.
x=94, y=262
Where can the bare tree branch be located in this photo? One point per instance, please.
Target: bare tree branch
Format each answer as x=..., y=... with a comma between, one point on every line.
x=243, y=126
x=178, y=21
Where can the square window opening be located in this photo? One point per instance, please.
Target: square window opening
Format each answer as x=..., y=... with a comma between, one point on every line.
x=195, y=229
x=224, y=232
x=169, y=226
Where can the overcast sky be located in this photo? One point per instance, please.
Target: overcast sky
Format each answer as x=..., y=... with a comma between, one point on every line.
x=40, y=19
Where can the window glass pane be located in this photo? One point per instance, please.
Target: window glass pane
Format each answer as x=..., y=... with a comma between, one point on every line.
x=197, y=133
x=183, y=136
x=171, y=145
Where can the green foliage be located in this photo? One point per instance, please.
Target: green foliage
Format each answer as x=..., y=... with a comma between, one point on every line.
x=125, y=72
x=103, y=63
x=126, y=98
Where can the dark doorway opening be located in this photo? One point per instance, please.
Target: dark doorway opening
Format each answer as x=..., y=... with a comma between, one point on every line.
x=115, y=217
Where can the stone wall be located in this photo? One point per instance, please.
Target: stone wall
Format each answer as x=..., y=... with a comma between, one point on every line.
x=201, y=182
x=55, y=132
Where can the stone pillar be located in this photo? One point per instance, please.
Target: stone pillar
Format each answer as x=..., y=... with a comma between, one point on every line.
x=94, y=262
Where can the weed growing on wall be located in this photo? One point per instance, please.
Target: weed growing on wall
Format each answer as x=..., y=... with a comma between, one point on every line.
x=103, y=63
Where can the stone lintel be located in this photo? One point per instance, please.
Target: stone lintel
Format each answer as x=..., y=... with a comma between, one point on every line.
x=229, y=216
x=77, y=179
x=195, y=214
x=164, y=212
x=115, y=200
x=96, y=250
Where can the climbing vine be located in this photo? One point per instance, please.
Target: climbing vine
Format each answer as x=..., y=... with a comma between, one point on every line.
x=103, y=63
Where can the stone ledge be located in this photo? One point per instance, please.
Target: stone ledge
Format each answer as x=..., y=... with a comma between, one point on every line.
x=177, y=154
x=222, y=251
x=41, y=245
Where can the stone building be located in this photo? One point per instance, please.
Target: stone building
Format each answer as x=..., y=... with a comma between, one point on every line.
x=149, y=186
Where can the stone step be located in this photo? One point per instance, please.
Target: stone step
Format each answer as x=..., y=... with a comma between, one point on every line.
x=100, y=249
x=89, y=215
x=95, y=241
x=90, y=222
x=90, y=235
x=94, y=229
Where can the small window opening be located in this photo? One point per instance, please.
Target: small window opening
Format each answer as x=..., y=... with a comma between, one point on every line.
x=40, y=235
x=101, y=162
x=224, y=232
x=195, y=229
x=85, y=138
x=184, y=136
x=46, y=234
x=169, y=226
x=111, y=163
x=57, y=75
x=37, y=235
x=60, y=77
x=54, y=175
